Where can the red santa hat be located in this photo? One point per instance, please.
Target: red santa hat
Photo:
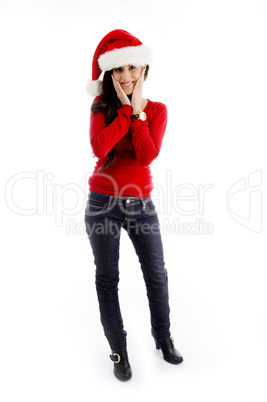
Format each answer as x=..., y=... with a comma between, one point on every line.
x=118, y=48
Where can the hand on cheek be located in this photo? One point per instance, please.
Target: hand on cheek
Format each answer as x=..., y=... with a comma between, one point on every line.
x=120, y=92
x=137, y=93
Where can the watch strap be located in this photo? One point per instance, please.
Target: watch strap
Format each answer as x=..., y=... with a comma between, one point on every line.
x=138, y=115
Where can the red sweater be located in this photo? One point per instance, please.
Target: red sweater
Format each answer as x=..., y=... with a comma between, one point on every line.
x=136, y=143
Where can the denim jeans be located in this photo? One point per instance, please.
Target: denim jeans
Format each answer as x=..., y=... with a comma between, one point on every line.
x=105, y=216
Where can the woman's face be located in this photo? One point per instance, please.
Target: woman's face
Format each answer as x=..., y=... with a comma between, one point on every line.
x=127, y=77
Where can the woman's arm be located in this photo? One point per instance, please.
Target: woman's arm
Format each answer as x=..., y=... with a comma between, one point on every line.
x=103, y=138
x=147, y=138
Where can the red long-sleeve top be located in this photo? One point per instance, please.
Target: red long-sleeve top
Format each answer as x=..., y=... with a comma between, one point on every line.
x=137, y=143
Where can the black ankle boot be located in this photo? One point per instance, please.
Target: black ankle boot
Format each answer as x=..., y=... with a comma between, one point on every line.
x=170, y=354
x=122, y=369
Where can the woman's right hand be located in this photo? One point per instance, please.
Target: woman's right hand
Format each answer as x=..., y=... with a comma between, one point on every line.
x=120, y=93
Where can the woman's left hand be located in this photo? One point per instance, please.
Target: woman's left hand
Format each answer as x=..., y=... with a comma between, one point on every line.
x=136, y=100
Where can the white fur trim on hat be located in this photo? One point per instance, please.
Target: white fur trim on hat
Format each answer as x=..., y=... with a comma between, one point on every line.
x=130, y=55
x=93, y=88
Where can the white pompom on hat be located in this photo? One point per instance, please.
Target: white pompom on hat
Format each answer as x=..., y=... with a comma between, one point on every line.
x=118, y=48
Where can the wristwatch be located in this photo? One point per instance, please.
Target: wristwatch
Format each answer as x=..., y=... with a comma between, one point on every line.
x=139, y=116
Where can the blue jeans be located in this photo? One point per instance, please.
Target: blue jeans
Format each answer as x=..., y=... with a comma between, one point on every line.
x=105, y=216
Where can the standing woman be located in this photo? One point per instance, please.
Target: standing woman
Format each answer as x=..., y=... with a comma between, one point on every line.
x=126, y=133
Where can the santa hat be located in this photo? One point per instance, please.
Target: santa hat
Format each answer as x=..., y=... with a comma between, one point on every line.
x=118, y=48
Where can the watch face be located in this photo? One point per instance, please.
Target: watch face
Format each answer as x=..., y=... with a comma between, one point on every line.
x=142, y=116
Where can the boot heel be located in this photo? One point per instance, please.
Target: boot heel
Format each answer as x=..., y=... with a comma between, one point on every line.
x=170, y=354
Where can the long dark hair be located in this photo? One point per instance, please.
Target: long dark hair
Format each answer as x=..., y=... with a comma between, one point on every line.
x=109, y=103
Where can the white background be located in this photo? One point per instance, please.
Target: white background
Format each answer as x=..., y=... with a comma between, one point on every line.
x=210, y=70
